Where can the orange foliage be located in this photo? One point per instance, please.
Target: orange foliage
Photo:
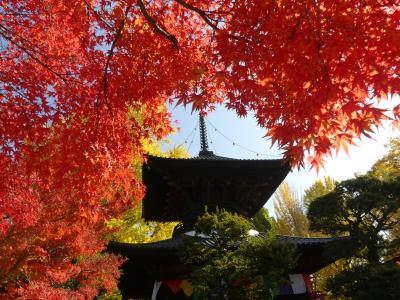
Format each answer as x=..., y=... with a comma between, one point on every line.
x=70, y=70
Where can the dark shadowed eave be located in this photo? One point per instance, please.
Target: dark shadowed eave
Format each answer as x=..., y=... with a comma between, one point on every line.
x=311, y=251
x=178, y=189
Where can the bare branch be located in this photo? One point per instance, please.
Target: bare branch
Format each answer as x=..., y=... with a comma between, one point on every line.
x=97, y=15
x=205, y=16
x=158, y=28
x=105, y=73
x=111, y=52
x=200, y=12
x=27, y=51
x=20, y=259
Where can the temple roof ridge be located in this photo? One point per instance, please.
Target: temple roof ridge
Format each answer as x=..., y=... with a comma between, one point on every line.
x=174, y=242
x=215, y=157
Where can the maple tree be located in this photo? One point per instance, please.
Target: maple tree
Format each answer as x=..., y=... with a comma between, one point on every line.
x=71, y=70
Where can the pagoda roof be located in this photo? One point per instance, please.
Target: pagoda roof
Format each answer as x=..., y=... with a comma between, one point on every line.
x=175, y=242
x=311, y=251
x=179, y=189
x=160, y=261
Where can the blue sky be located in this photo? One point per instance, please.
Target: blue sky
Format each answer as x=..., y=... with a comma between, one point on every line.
x=245, y=132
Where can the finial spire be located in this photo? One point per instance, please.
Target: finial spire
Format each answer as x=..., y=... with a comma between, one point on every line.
x=203, y=138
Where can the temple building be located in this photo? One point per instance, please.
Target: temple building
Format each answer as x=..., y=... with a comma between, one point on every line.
x=179, y=190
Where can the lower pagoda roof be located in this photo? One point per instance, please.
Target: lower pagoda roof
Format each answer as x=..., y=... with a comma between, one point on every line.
x=180, y=189
x=162, y=253
x=159, y=261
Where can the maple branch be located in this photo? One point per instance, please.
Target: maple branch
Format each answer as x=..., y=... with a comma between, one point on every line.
x=4, y=277
x=8, y=235
x=14, y=12
x=20, y=46
x=316, y=6
x=111, y=54
x=204, y=15
x=200, y=12
x=97, y=15
x=156, y=27
x=18, y=14
x=34, y=48
x=105, y=73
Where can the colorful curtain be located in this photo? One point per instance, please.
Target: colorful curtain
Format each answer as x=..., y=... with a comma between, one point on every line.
x=297, y=284
x=175, y=285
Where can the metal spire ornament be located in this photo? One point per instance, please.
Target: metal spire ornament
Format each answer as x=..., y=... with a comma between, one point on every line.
x=203, y=138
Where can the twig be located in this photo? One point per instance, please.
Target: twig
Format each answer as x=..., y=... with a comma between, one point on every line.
x=204, y=15
x=200, y=12
x=155, y=26
x=4, y=277
x=12, y=40
x=99, y=18
x=112, y=51
x=105, y=73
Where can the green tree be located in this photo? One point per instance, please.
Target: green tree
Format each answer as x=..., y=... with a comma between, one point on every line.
x=387, y=168
x=231, y=264
x=262, y=222
x=363, y=208
x=319, y=188
x=367, y=282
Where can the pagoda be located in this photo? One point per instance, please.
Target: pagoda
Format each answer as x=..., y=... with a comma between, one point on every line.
x=179, y=190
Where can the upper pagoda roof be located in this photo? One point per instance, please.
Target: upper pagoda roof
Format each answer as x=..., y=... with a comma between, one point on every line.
x=180, y=189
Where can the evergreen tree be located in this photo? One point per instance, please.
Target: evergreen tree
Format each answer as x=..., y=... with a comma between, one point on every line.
x=373, y=281
x=364, y=208
x=387, y=168
x=262, y=221
x=231, y=264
